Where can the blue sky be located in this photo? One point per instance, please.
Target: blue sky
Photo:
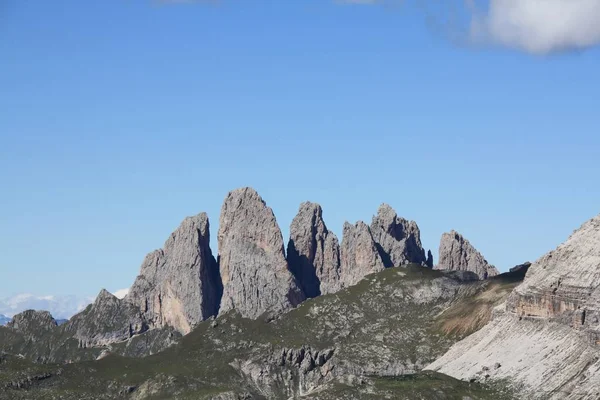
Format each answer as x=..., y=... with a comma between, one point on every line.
x=120, y=118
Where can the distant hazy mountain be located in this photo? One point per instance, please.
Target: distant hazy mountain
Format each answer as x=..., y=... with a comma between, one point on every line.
x=4, y=320
x=61, y=307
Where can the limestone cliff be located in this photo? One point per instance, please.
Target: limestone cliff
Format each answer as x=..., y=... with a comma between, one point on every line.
x=457, y=254
x=545, y=338
x=255, y=274
x=398, y=240
x=359, y=254
x=313, y=252
x=179, y=285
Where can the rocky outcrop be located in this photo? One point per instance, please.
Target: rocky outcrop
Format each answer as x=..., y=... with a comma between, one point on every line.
x=107, y=320
x=565, y=283
x=521, y=268
x=313, y=252
x=429, y=261
x=254, y=271
x=179, y=285
x=398, y=240
x=545, y=338
x=359, y=254
x=32, y=323
x=304, y=358
x=106, y=326
x=457, y=254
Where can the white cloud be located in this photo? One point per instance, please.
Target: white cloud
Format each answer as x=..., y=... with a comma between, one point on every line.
x=121, y=293
x=539, y=26
x=533, y=26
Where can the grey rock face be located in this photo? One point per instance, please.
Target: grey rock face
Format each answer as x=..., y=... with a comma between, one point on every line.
x=33, y=323
x=546, y=335
x=106, y=320
x=521, y=268
x=456, y=253
x=398, y=240
x=179, y=285
x=564, y=284
x=254, y=271
x=313, y=252
x=359, y=254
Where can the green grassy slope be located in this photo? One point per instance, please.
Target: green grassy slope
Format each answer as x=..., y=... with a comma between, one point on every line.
x=367, y=341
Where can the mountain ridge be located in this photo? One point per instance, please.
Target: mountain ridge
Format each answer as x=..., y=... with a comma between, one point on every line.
x=328, y=314
x=545, y=336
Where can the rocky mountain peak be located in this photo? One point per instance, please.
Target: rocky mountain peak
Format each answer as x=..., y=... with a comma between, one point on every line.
x=179, y=285
x=429, y=261
x=255, y=274
x=313, y=252
x=104, y=296
x=458, y=254
x=32, y=322
x=565, y=280
x=546, y=336
x=106, y=320
x=398, y=240
x=359, y=254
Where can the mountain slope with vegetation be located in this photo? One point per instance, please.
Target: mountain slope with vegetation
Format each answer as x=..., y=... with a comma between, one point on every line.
x=366, y=341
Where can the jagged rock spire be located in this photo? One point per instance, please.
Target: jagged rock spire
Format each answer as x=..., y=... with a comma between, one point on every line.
x=179, y=285
x=398, y=240
x=313, y=252
x=429, y=261
x=457, y=254
x=255, y=274
x=106, y=320
x=359, y=254
x=32, y=322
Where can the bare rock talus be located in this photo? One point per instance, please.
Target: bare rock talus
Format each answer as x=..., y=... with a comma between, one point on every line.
x=457, y=254
x=179, y=285
x=313, y=252
x=359, y=254
x=255, y=274
x=398, y=240
x=545, y=338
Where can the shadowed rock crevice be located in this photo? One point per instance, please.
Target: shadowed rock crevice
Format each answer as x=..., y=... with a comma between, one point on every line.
x=304, y=271
x=313, y=252
x=398, y=240
x=359, y=254
x=385, y=256
x=179, y=285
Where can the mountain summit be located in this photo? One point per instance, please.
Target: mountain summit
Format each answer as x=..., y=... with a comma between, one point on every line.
x=457, y=254
x=545, y=338
x=254, y=271
x=179, y=285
